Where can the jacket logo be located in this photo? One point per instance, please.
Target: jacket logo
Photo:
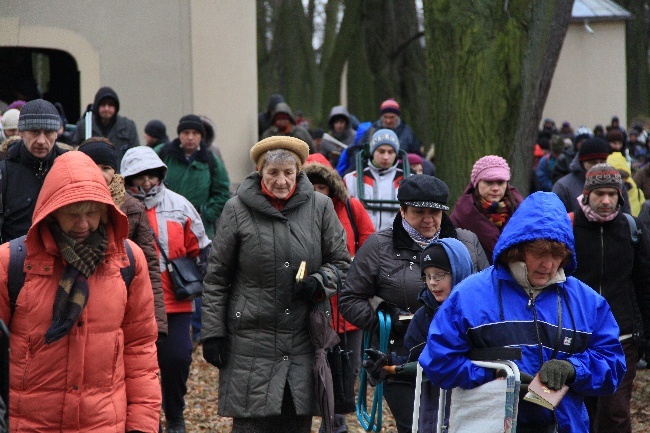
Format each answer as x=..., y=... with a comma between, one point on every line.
x=428, y=257
x=567, y=341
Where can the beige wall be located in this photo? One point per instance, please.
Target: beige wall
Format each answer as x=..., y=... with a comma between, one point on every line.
x=164, y=58
x=589, y=85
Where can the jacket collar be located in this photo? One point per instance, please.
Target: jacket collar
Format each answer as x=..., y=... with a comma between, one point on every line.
x=176, y=152
x=250, y=193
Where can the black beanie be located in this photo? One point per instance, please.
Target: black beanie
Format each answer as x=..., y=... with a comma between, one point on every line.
x=100, y=152
x=156, y=129
x=594, y=148
x=435, y=255
x=190, y=121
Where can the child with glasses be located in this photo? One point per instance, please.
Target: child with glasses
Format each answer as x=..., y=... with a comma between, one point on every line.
x=443, y=263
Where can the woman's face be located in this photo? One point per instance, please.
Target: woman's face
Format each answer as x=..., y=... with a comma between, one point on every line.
x=492, y=190
x=439, y=289
x=423, y=219
x=541, y=267
x=78, y=224
x=322, y=188
x=107, y=171
x=145, y=181
x=279, y=178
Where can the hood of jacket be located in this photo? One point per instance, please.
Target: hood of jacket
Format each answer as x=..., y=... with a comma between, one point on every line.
x=461, y=267
x=577, y=168
x=74, y=178
x=618, y=161
x=103, y=93
x=283, y=107
x=332, y=179
x=540, y=216
x=139, y=159
x=338, y=110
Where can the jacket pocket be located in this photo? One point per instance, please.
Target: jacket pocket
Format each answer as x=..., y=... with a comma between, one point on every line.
x=236, y=316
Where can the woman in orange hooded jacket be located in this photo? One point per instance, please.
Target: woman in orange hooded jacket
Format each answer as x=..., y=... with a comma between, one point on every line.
x=83, y=353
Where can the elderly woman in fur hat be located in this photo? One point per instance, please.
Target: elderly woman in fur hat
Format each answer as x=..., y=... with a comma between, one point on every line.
x=255, y=315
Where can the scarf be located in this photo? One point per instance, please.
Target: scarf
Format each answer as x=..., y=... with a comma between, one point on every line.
x=497, y=212
x=594, y=217
x=519, y=272
x=116, y=187
x=417, y=236
x=278, y=203
x=72, y=293
x=150, y=199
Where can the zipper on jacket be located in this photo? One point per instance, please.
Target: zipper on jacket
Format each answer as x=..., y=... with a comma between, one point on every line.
x=602, y=261
x=531, y=303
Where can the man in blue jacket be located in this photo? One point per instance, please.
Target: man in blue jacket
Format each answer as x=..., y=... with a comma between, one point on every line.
x=566, y=331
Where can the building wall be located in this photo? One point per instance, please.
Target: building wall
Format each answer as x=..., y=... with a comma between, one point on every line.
x=164, y=58
x=589, y=85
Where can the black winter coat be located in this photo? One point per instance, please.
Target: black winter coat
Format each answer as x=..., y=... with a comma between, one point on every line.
x=616, y=268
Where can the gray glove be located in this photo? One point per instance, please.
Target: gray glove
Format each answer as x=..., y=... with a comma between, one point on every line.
x=555, y=373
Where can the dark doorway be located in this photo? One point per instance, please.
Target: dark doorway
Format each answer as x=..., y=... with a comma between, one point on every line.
x=28, y=73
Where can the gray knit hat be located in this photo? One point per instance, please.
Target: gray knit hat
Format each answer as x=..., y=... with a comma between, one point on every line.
x=39, y=114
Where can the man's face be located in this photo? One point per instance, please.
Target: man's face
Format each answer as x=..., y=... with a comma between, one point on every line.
x=384, y=156
x=149, y=140
x=39, y=142
x=588, y=164
x=389, y=120
x=339, y=125
x=107, y=109
x=190, y=140
x=603, y=201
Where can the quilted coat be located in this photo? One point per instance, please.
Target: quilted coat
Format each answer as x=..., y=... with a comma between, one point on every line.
x=255, y=256
x=102, y=376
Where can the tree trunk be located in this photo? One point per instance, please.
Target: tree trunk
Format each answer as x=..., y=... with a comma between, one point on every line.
x=637, y=37
x=490, y=65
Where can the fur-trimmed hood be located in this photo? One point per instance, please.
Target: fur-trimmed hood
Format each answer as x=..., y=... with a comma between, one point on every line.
x=331, y=177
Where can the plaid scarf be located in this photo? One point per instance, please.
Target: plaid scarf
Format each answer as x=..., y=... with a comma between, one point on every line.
x=72, y=293
x=497, y=212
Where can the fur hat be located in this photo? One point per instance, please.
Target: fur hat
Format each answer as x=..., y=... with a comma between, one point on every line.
x=434, y=255
x=190, y=121
x=594, y=148
x=10, y=119
x=422, y=190
x=602, y=176
x=389, y=106
x=384, y=136
x=294, y=145
x=39, y=114
x=488, y=168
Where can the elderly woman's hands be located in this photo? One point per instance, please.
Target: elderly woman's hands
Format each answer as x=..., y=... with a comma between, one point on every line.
x=309, y=290
x=213, y=349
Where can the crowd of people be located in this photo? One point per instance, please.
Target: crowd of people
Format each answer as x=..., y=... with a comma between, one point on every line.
x=331, y=232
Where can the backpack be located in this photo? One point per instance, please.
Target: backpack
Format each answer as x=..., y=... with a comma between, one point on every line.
x=16, y=275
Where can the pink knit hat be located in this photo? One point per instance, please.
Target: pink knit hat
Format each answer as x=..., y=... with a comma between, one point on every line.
x=490, y=167
x=389, y=106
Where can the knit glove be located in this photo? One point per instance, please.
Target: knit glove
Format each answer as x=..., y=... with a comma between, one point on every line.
x=308, y=290
x=555, y=373
x=374, y=365
x=213, y=351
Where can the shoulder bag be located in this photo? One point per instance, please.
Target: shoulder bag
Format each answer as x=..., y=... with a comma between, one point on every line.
x=185, y=275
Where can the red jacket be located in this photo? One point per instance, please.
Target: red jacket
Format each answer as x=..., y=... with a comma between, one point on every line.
x=102, y=376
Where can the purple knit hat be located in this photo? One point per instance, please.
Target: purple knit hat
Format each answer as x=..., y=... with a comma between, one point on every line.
x=490, y=167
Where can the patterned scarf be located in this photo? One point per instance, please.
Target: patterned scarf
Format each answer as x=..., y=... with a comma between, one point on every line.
x=497, y=212
x=417, y=236
x=116, y=187
x=591, y=214
x=72, y=293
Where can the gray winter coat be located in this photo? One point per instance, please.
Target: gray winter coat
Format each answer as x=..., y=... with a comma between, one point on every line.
x=251, y=273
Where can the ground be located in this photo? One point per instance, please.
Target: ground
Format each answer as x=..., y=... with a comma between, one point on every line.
x=201, y=412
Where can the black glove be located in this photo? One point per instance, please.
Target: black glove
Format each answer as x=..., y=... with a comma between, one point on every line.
x=309, y=290
x=204, y=255
x=555, y=373
x=525, y=381
x=398, y=327
x=161, y=338
x=374, y=365
x=213, y=351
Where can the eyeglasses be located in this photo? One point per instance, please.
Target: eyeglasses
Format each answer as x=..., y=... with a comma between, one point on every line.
x=437, y=277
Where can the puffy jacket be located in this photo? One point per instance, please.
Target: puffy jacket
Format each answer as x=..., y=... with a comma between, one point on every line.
x=467, y=216
x=102, y=376
x=377, y=185
x=616, y=268
x=203, y=180
x=140, y=233
x=255, y=255
x=506, y=316
x=387, y=269
x=22, y=176
x=175, y=222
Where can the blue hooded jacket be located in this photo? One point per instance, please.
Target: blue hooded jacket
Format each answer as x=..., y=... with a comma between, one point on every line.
x=567, y=321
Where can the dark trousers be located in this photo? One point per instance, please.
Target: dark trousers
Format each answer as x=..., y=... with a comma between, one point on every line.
x=174, y=359
x=400, y=398
x=287, y=422
x=611, y=413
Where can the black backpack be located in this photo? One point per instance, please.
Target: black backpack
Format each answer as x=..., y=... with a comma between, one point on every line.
x=16, y=275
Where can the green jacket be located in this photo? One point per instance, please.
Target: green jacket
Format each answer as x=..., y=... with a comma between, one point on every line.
x=247, y=298
x=203, y=180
